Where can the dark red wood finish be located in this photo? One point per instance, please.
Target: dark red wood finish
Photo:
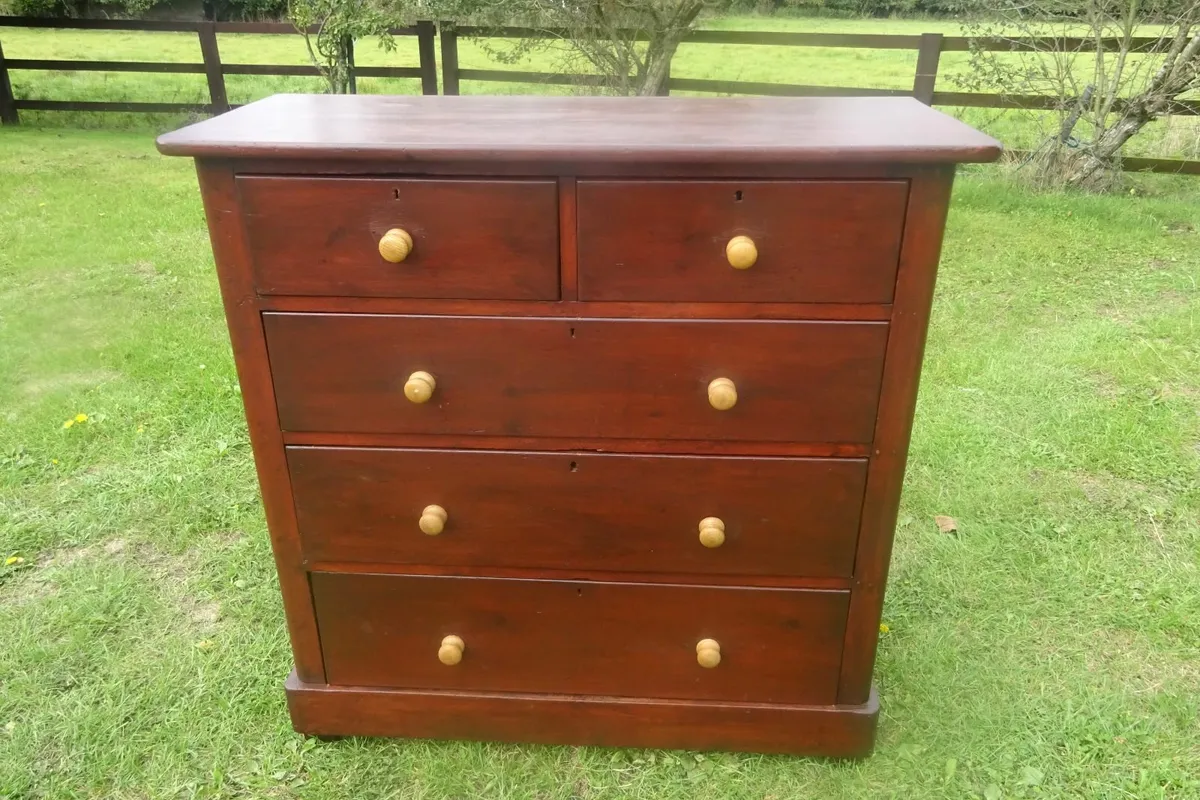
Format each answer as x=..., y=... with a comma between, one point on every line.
x=541, y=573
x=581, y=637
x=396, y=131
x=845, y=731
x=633, y=310
x=924, y=223
x=664, y=446
x=579, y=321
x=258, y=395
x=557, y=510
x=471, y=239
x=818, y=241
x=577, y=378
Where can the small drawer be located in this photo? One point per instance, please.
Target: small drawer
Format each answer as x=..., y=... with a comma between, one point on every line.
x=676, y=514
x=464, y=239
x=808, y=241
x=577, y=378
x=581, y=637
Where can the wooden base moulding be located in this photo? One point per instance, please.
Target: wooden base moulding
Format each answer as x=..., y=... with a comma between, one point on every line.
x=334, y=711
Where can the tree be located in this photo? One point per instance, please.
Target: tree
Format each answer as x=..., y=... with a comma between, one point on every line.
x=330, y=28
x=629, y=44
x=1107, y=93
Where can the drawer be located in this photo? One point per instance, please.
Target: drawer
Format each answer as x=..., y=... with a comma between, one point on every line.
x=816, y=241
x=765, y=516
x=580, y=637
x=631, y=379
x=470, y=239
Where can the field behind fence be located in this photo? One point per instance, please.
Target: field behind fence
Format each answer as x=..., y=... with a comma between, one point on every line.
x=424, y=71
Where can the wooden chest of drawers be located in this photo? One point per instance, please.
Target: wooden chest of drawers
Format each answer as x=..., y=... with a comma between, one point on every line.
x=581, y=420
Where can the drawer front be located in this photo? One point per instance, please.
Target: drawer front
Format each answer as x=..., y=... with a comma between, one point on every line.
x=775, y=516
x=470, y=239
x=816, y=241
x=626, y=379
x=581, y=637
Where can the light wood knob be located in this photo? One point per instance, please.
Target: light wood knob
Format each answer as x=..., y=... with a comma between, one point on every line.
x=419, y=387
x=708, y=653
x=722, y=394
x=450, y=653
x=395, y=245
x=712, y=532
x=433, y=520
x=741, y=252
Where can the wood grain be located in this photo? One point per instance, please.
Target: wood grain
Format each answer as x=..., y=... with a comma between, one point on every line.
x=539, y=573
x=817, y=241
x=558, y=444
x=254, y=375
x=798, y=381
x=472, y=239
x=608, y=310
x=629, y=639
x=840, y=731
x=363, y=504
x=568, y=239
x=924, y=223
x=648, y=130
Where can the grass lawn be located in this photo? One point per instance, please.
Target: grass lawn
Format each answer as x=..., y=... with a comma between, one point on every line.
x=1175, y=137
x=1050, y=648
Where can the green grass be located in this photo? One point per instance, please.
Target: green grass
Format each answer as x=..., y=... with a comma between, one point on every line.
x=1047, y=650
x=1177, y=137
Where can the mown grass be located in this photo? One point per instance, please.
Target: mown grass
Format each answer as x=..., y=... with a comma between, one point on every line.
x=1048, y=649
x=1177, y=137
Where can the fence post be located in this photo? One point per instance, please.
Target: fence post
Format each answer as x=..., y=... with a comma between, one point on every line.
x=425, y=46
x=449, y=35
x=207, y=31
x=928, y=55
x=8, y=107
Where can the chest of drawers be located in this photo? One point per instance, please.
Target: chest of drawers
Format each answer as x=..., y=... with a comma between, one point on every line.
x=581, y=420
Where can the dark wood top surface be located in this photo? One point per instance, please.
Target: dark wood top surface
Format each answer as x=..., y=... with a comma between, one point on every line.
x=598, y=129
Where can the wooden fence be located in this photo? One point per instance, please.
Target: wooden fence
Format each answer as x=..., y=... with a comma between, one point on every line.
x=928, y=47
x=210, y=66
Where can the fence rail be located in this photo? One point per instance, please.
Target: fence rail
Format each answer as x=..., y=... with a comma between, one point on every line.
x=928, y=47
x=210, y=66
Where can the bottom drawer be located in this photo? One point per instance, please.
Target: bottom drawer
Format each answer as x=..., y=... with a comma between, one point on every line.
x=581, y=637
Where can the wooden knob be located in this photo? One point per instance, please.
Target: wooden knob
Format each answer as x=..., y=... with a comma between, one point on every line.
x=722, y=394
x=712, y=532
x=395, y=245
x=741, y=252
x=419, y=387
x=708, y=653
x=433, y=520
x=450, y=653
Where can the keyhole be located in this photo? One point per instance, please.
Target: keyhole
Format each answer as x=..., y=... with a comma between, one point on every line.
x=396, y=194
x=574, y=467
x=572, y=333
x=737, y=196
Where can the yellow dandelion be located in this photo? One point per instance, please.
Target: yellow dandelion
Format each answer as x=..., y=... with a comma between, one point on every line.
x=54, y=461
x=81, y=417
x=883, y=628
x=68, y=423
x=141, y=429
x=8, y=562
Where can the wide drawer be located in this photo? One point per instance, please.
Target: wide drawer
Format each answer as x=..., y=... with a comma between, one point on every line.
x=816, y=241
x=761, y=516
x=470, y=239
x=632, y=379
x=579, y=637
